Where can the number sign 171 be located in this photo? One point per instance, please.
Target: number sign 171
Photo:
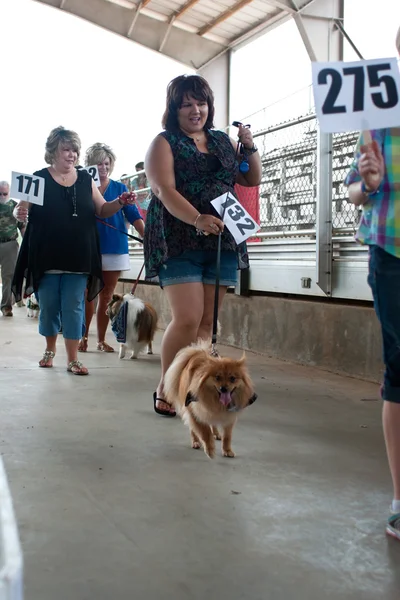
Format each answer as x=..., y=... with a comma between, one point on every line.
x=28, y=188
x=350, y=95
x=28, y=181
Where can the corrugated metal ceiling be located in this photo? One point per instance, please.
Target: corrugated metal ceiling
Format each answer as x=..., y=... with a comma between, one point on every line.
x=193, y=32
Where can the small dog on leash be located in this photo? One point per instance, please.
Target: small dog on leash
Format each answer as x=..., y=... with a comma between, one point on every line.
x=133, y=322
x=32, y=307
x=208, y=392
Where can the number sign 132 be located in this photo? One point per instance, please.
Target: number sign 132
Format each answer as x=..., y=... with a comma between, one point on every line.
x=236, y=218
x=354, y=95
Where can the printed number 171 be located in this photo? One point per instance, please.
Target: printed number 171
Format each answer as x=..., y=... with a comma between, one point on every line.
x=29, y=182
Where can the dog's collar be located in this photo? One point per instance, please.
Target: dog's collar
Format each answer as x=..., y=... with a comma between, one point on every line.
x=190, y=398
x=233, y=408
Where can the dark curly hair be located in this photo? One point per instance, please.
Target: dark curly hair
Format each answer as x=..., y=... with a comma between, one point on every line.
x=178, y=88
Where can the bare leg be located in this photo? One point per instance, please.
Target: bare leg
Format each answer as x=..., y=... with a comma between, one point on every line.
x=187, y=303
x=50, y=347
x=89, y=312
x=205, y=328
x=71, y=346
x=227, y=441
x=204, y=433
x=391, y=428
x=110, y=279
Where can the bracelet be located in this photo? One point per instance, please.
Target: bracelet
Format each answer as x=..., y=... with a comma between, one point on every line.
x=196, y=219
x=368, y=192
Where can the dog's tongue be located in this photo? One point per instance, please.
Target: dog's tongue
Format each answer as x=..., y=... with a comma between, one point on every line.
x=225, y=398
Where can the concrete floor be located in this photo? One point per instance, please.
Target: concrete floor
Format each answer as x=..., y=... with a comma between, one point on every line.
x=113, y=504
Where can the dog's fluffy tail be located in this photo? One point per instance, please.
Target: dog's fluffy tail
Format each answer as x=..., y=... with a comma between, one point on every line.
x=173, y=377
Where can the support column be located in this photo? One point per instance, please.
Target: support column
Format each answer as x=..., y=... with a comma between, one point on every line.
x=316, y=25
x=323, y=42
x=217, y=74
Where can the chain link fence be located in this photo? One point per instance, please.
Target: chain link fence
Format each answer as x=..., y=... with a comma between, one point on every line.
x=288, y=190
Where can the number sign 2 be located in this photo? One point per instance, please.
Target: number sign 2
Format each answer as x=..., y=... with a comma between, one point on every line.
x=94, y=172
x=357, y=95
x=29, y=188
x=236, y=218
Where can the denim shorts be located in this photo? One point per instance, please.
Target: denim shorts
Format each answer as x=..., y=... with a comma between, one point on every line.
x=199, y=266
x=384, y=280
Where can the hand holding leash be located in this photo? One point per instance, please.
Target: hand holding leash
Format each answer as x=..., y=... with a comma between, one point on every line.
x=127, y=198
x=208, y=224
x=245, y=136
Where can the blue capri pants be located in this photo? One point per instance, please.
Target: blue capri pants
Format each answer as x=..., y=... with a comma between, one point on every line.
x=62, y=294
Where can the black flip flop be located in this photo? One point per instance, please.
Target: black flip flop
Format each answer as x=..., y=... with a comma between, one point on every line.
x=159, y=411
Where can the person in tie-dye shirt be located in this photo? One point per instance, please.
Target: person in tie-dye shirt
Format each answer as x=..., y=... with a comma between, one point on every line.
x=374, y=184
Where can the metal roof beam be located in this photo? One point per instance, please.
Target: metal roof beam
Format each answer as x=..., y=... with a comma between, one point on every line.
x=167, y=33
x=224, y=16
x=185, y=7
x=135, y=17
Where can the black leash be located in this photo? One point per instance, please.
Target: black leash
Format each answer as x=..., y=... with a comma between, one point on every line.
x=120, y=230
x=214, y=351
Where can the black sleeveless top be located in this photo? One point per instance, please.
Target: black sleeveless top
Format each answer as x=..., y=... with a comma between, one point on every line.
x=56, y=239
x=199, y=178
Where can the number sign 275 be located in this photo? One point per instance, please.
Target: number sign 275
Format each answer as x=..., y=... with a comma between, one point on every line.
x=376, y=76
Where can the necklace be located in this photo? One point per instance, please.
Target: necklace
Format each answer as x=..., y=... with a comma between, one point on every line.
x=63, y=177
x=74, y=214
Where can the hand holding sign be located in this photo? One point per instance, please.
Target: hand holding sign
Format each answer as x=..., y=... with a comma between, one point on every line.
x=29, y=188
x=236, y=218
x=371, y=165
x=357, y=95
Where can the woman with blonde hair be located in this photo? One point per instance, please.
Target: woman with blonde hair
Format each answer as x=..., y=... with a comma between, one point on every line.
x=60, y=253
x=113, y=243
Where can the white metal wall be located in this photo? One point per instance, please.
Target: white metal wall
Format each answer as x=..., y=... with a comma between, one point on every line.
x=307, y=232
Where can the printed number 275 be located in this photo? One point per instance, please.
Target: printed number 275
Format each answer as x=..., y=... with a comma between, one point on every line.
x=375, y=80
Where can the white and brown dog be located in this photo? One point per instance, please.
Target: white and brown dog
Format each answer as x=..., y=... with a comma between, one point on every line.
x=133, y=322
x=32, y=307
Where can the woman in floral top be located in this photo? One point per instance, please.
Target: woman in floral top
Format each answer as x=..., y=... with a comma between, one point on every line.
x=188, y=165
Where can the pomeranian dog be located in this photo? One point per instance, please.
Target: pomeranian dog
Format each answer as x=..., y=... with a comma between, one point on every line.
x=139, y=323
x=32, y=307
x=208, y=392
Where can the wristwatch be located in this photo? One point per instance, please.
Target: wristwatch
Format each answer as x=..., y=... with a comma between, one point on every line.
x=250, y=151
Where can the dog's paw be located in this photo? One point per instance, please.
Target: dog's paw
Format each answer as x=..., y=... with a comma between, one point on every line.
x=228, y=453
x=210, y=452
x=149, y=351
x=133, y=357
x=216, y=434
x=196, y=445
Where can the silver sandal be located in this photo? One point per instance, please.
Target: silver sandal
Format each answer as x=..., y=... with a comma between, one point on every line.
x=77, y=368
x=47, y=356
